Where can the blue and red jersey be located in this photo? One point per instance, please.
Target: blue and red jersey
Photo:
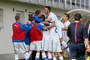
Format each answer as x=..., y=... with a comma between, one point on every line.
x=38, y=20
x=19, y=31
x=36, y=32
x=77, y=32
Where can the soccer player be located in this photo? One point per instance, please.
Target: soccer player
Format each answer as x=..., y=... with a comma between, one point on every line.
x=37, y=15
x=54, y=37
x=36, y=38
x=18, y=37
x=45, y=40
x=64, y=29
x=77, y=33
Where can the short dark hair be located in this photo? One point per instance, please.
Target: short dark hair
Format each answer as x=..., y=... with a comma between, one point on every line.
x=31, y=18
x=77, y=16
x=43, y=17
x=66, y=15
x=17, y=18
x=37, y=12
x=49, y=8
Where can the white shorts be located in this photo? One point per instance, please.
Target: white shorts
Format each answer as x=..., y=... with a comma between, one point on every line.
x=65, y=37
x=45, y=41
x=19, y=47
x=55, y=45
x=36, y=45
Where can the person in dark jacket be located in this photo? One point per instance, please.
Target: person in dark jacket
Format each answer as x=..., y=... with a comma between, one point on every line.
x=78, y=34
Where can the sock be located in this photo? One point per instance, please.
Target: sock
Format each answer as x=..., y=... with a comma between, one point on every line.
x=16, y=57
x=26, y=55
x=49, y=56
x=61, y=58
x=54, y=58
x=65, y=45
x=37, y=55
x=43, y=55
x=29, y=53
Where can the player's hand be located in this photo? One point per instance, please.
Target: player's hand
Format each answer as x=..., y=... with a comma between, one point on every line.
x=88, y=48
x=44, y=28
x=46, y=20
x=28, y=22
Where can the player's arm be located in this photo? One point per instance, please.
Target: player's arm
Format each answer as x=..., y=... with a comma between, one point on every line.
x=50, y=26
x=85, y=37
x=26, y=27
x=45, y=22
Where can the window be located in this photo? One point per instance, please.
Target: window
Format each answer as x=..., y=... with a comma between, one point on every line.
x=1, y=18
x=21, y=14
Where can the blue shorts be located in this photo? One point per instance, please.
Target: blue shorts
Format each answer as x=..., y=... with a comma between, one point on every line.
x=77, y=51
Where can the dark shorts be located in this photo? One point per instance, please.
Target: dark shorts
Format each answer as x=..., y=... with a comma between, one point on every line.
x=77, y=51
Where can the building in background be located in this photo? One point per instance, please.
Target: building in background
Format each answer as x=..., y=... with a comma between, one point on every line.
x=10, y=8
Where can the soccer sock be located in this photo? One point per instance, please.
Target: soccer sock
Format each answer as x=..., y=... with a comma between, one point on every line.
x=43, y=55
x=49, y=56
x=30, y=53
x=61, y=58
x=16, y=57
x=26, y=55
x=65, y=45
x=37, y=55
x=54, y=58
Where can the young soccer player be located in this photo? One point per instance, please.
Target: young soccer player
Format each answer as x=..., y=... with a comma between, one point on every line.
x=64, y=29
x=18, y=37
x=37, y=15
x=54, y=37
x=45, y=40
x=36, y=38
x=77, y=33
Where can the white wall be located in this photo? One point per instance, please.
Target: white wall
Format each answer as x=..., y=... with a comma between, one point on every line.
x=8, y=19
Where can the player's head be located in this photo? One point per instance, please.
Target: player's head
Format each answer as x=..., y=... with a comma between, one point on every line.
x=38, y=12
x=43, y=17
x=77, y=17
x=47, y=9
x=17, y=18
x=66, y=17
x=31, y=18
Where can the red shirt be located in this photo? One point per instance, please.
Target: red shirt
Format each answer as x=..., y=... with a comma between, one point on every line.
x=18, y=33
x=35, y=33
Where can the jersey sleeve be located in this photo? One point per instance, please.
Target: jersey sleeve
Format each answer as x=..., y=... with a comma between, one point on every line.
x=26, y=27
x=85, y=32
x=40, y=26
x=37, y=19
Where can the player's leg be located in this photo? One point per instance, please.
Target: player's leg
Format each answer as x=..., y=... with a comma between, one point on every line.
x=60, y=56
x=44, y=57
x=49, y=50
x=49, y=55
x=53, y=56
x=15, y=46
x=64, y=44
x=24, y=50
x=44, y=47
x=58, y=50
x=38, y=49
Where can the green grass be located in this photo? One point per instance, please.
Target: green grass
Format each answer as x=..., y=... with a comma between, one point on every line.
x=64, y=59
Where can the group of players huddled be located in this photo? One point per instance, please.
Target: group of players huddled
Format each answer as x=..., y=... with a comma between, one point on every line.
x=46, y=35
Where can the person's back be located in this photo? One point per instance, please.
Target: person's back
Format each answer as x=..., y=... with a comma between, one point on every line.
x=18, y=33
x=35, y=33
x=77, y=33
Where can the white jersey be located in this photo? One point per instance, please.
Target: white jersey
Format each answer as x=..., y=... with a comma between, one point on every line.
x=65, y=37
x=54, y=35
